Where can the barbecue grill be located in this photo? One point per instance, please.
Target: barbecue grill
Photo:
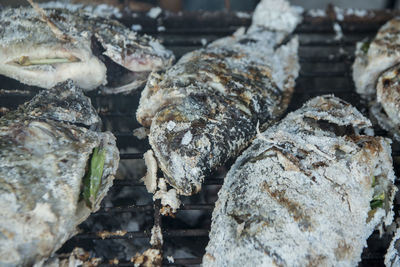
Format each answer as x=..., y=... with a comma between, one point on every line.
x=123, y=225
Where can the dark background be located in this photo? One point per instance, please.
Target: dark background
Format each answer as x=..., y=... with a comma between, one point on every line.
x=245, y=5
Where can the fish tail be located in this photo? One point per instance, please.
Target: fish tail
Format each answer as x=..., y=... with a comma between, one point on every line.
x=276, y=15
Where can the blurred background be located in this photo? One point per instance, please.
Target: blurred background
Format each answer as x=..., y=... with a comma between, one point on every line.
x=243, y=5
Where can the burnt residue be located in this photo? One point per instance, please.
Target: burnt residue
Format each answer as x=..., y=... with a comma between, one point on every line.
x=335, y=129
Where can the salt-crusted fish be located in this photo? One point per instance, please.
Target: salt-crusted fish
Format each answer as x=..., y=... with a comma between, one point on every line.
x=392, y=257
x=54, y=172
x=307, y=192
x=376, y=75
x=204, y=110
x=43, y=49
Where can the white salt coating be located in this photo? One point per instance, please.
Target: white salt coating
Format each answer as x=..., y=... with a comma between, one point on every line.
x=171, y=125
x=136, y=27
x=276, y=15
x=186, y=138
x=369, y=131
x=251, y=72
x=170, y=259
x=154, y=12
x=23, y=34
x=42, y=167
x=102, y=10
x=169, y=198
x=316, y=13
x=300, y=194
x=374, y=72
x=156, y=236
x=392, y=257
x=140, y=133
x=150, y=179
x=356, y=12
x=341, y=13
x=338, y=31
x=243, y=15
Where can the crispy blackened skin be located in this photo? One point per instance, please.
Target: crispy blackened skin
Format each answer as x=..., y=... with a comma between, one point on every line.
x=205, y=109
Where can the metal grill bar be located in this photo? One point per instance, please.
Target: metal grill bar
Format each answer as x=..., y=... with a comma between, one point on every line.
x=131, y=156
x=210, y=181
x=177, y=262
x=185, y=32
x=141, y=208
x=143, y=234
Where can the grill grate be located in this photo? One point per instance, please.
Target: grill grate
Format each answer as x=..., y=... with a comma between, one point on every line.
x=325, y=68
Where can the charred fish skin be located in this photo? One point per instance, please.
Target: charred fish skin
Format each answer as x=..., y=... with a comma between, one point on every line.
x=375, y=73
x=43, y=159
x=305, y=193
x=37, y=54
x=64, y=103
x=204, y=110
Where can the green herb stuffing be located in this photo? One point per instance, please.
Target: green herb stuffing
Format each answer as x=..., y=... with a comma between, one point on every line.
x=377, y=201
x=26, y=61
x=365, y=47
x=92, y=179
x=373, y=181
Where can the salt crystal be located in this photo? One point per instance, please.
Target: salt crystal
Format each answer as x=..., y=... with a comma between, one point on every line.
x=154, y=12
x=171, y=125
x=187, y=138
x=136, y=27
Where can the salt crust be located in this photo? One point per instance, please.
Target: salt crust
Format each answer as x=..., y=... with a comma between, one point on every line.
x=150, y=179
x=300, y=194
x=42, y=162
x=171, y=96
x=375, y=72
x=392, y=257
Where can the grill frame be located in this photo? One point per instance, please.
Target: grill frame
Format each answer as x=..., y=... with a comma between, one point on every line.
x=185, y=32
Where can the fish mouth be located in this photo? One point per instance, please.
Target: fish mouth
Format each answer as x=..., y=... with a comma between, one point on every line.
x=144, y=63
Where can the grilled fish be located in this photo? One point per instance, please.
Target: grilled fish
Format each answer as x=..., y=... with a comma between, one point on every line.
x=307, y=192
x=43, y=50
x=392, y=257
x=376, y=75
x=204, y=110
x=47, y=153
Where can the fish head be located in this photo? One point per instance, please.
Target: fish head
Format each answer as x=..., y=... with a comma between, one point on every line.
x=31, y=53
x=138, y=55
x=134, y=52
